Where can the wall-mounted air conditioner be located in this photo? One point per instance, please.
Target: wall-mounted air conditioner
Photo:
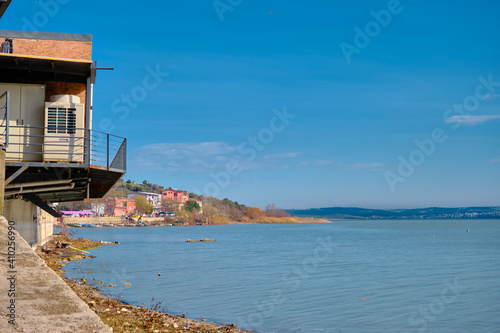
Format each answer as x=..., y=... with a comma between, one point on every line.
x=64, y=139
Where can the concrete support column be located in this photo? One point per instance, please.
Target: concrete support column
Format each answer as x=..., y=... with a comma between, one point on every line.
x=24, y=214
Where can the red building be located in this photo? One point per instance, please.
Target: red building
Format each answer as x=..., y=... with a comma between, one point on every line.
x=120, y=206
x=179, y=196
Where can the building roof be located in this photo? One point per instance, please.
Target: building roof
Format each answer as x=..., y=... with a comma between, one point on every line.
x=176, y=191
x=16, y=66
x=3, y=6
x=45, y=35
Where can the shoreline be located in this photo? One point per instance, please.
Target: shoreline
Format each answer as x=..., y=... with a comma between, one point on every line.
x=121, y=317
x=117, y=222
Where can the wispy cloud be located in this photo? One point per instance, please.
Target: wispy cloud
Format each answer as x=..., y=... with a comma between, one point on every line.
x=201, y=158
x=193, y=157
x=496, y=160
x=470, y=120
x=365, y=166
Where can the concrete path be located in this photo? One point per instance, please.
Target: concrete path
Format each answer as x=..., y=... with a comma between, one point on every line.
x=43, y=302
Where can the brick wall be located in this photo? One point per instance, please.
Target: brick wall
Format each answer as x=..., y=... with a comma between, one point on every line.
x=52, y=48
x=65, y=88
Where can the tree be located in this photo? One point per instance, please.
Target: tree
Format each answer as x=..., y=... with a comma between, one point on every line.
x=143, y=206
x=168, y=205
x=97, y=206
x=254, y=213
x=272, y=211
x=191, y=206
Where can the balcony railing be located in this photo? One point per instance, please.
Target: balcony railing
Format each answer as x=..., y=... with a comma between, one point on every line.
x=76, y=147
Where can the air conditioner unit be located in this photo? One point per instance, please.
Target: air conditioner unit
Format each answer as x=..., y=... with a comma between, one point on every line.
x=64, y=139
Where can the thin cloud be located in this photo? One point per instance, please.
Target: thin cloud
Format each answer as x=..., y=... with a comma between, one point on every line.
x=470, y=120
x=365, y=166
x=193, y=157
x=496, y=160
x=203, y=158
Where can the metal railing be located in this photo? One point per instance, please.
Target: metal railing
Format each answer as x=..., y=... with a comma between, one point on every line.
x=108, y=150
x=81, y=147
x=4, y=134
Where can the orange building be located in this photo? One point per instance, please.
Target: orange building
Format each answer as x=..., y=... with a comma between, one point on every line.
x=179, y=196
x=120, y=206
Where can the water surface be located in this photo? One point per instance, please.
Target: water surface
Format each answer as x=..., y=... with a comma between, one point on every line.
x=347, y=276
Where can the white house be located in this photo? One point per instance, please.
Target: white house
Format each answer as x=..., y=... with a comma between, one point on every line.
x=152, y=198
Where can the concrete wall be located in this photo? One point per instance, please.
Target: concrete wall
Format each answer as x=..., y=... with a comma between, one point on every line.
x=32, y=223
x=45, y=226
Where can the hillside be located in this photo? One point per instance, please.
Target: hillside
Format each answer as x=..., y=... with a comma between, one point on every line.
x=420, y=213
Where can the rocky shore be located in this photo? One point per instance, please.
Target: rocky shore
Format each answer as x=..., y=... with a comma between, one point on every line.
x=121, y=317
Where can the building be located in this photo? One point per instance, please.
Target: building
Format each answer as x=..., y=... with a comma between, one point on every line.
x=152, y=198
x=120, y=206
x=50, y=149
x=77, y=213
x=179, y=196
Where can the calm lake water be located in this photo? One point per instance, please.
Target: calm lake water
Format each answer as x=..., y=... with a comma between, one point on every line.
x=347, y=276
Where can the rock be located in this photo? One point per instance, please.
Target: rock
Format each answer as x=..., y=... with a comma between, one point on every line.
x=106, y=310
x=78, y=262
x=156, y=331
x=159, y=274
x=99, y=281
x=124, y=310
x=92, y=304
x=126, y=324
x=126, y=284
x=110, y=285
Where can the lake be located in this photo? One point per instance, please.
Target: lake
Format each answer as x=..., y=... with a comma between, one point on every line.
x=346, y=276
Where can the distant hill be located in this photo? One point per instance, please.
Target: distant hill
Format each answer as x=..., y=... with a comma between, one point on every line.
x=419, y=213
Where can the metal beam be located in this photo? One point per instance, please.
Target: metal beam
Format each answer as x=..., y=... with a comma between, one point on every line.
x=43, y=183
x=15, y=174
x=44, y=189
x=40, y=203
x=4, y=4
x=46, y=164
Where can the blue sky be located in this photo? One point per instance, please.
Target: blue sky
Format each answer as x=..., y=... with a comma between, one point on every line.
x=289, y=103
